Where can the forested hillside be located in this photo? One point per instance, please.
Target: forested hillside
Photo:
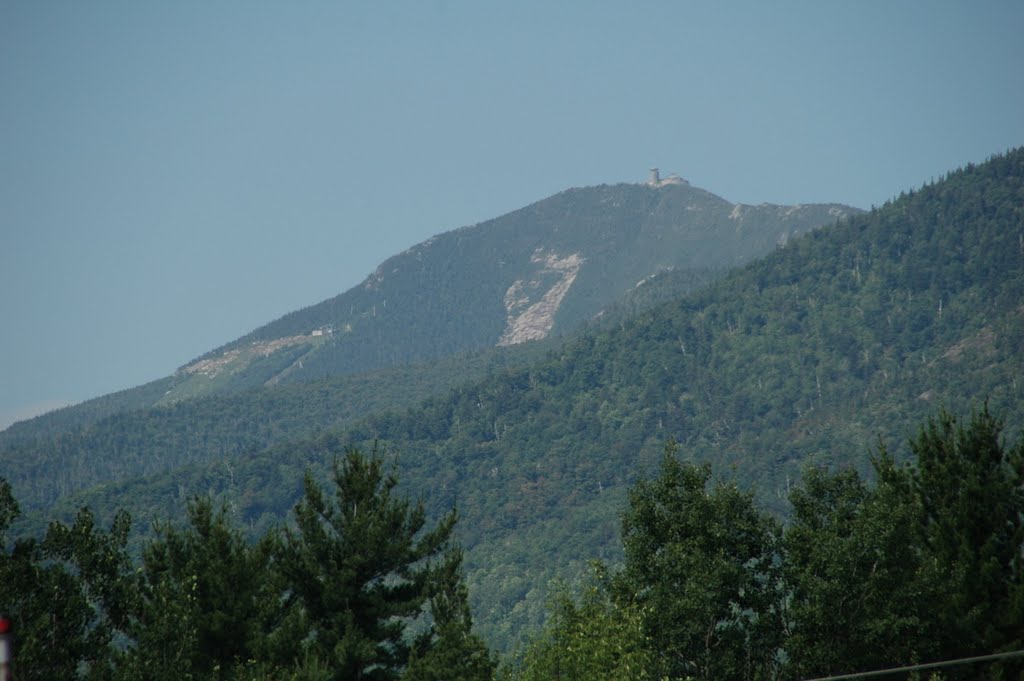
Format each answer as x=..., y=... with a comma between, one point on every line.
x=810, y=355
x=546, y=268
x=535, y=272
x=63, y=452
x=108, y=440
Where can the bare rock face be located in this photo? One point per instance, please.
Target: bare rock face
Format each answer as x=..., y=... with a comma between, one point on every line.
x=532, y=304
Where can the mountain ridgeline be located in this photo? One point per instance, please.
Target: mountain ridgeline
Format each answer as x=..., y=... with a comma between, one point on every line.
x=532, y=273
x=835, y=341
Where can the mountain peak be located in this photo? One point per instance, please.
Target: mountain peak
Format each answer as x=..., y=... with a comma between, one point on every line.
x=537, y=271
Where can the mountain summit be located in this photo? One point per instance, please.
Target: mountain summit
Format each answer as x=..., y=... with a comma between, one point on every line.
x=537, y=271
x=533, y=273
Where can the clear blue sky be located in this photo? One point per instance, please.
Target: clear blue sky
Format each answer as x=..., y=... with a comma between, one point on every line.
x=175, y=174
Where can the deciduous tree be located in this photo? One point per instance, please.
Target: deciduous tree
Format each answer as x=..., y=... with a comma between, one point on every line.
x=702, y=563
x=851, y=566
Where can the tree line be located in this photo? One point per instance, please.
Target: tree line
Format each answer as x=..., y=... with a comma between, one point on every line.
x=924, y=562
x=356, y=587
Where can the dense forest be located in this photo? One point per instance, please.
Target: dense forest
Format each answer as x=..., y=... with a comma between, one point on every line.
x=922, y=565
x=336, y=594
x=69, y=450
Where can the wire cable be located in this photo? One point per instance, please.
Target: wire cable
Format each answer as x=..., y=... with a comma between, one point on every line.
x=918, y=667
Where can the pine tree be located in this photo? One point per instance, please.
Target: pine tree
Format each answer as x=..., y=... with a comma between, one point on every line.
x=967, y=489
x=450, y=649
x=67, y=596
x=207, y=598
x=359, y=568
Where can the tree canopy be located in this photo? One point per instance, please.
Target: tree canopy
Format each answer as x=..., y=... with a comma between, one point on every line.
x=923, y=565
x=358, y=587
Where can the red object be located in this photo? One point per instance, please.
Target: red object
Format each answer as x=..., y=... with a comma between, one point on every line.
x=5, y=625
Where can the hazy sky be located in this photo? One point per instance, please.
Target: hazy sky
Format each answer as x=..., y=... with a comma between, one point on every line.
x=175, y=174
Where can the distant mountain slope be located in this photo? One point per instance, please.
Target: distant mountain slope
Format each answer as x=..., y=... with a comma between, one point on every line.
x=79, y=415
x=855, y=332
x=52, y=460
x=534, y=272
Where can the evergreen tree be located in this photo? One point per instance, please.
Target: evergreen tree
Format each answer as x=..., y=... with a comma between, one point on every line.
x=359, y=568
x=450, y=650
x=966, y=487
x=208, y=599
x=66, y=596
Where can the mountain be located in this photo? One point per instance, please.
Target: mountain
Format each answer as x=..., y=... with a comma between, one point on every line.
x=48, y=465
x=529, y=274
x=811, y=355
x=526, y=276
x=532, y=273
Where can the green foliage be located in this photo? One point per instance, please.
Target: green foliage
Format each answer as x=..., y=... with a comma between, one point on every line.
x=851, y=564
x=449, y=649
x=832, y=341
x=209, y=598
x=966, y=489
x=589, y=637
x=66, y=596
x=701, y=563
x=358, y=588
x=84, y=414
x=360, y=567
x=59, y=456
x=923, y=566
